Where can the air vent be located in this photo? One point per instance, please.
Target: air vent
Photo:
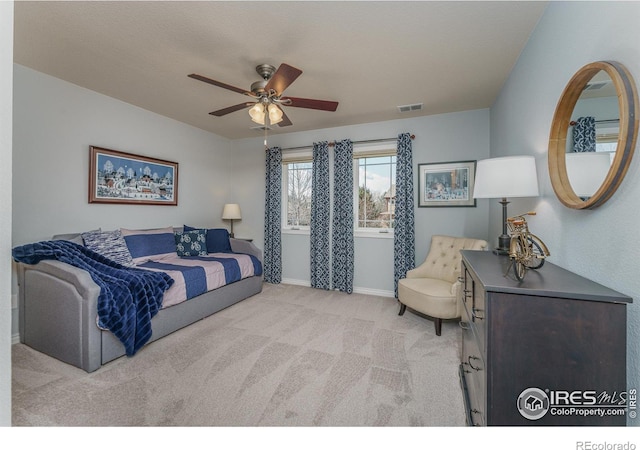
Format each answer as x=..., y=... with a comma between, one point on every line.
x=261, y=128
x=409, y=108
x=594, y=86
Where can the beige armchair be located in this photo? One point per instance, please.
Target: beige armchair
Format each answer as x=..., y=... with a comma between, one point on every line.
x=433, y=287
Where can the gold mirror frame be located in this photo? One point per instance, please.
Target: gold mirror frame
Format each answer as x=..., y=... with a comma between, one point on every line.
x=627, y=103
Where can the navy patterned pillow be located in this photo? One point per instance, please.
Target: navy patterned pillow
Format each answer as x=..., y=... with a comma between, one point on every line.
x=109, y=244
x=191, y=243
x=217, y=239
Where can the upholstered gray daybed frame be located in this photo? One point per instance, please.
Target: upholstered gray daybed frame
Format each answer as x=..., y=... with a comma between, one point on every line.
x=58, y=310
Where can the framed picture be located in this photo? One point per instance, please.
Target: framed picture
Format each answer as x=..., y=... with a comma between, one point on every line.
x=118, y=177
x=446, y=184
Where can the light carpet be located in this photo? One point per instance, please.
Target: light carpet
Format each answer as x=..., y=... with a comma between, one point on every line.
x=289, y=356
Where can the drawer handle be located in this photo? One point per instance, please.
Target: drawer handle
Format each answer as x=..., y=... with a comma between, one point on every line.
x=474, y=411
x=474, y=312
x=471, y=365
x=464, y=325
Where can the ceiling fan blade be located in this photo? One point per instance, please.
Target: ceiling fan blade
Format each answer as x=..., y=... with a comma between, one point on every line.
x=284, y=76
x=285, y=120
x=195, y=76
x=230, y=109
x=297, y=102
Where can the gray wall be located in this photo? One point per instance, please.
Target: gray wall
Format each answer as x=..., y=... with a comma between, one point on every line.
x=6, y=93
x=55, y=122
x=439, y=138
x=602, y=244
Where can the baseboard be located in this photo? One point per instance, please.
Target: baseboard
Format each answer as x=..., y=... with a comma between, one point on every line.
x=356, y=290
x=296, y=282
x=376, y=292
x=15, y=338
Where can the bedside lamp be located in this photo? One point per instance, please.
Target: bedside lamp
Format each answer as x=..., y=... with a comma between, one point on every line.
x=231, y=212
x=509, y=176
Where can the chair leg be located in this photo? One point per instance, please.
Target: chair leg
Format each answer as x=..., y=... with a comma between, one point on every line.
x=438, y=323
x=403, y=308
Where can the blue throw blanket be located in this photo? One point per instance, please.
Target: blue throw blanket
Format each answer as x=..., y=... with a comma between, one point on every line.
x=129, y=297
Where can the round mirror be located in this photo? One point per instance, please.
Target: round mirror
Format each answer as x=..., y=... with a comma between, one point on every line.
x=593, y=135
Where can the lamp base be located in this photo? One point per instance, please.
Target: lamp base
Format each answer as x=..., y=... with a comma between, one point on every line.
x=504, y=242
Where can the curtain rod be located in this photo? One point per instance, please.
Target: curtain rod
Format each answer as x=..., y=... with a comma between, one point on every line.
x=333, y=143
x=573, y=122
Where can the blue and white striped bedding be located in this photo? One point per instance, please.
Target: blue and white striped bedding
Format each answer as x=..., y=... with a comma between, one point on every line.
x=196, y=275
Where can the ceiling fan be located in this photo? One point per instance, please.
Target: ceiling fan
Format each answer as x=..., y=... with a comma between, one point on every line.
x=265, y=109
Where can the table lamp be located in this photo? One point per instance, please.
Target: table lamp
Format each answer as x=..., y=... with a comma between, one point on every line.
x=509, y=176
x=231, y=212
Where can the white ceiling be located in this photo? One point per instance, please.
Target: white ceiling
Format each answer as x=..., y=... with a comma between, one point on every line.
x=369, y=56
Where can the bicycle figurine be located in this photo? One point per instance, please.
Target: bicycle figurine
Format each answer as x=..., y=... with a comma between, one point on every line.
x=526, y=250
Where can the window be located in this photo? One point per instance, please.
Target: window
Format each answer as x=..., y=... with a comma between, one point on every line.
x=375, y=181
x=374, y=184
x=297, y=177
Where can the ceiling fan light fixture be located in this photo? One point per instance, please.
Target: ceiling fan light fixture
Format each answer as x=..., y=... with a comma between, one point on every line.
x=257, y=113
x=267, y=94
x=275, y=114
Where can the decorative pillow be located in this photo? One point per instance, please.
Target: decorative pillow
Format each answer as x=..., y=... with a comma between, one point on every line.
x=191, y=243
x=109, y=244
x=150, y=245
x=73, y=237
x=217, y=239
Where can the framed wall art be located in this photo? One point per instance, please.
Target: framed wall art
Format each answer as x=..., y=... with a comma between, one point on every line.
x=446, y=184
x=118, y=177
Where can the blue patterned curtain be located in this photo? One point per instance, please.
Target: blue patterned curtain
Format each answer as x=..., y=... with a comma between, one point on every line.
x=342, y=232
x=404, y=233
x=584, y=135
x=272, y=217
x=320, y=213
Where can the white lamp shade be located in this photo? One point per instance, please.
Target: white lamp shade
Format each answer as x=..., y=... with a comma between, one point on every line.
x=587, y=171
x=231, y=211
x=509, y=176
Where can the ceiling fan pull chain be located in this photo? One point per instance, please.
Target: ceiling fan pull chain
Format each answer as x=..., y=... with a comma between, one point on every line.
x=265, y=137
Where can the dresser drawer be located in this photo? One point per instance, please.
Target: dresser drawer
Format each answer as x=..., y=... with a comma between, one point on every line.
x=473, y=297
x=467, y=287
x=472, y=368
x=475, y=416
x=478, y=314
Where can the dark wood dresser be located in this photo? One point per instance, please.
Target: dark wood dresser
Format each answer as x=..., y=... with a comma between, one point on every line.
x=550, y=350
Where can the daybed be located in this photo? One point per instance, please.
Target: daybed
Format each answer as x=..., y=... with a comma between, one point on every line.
x=59, y=302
